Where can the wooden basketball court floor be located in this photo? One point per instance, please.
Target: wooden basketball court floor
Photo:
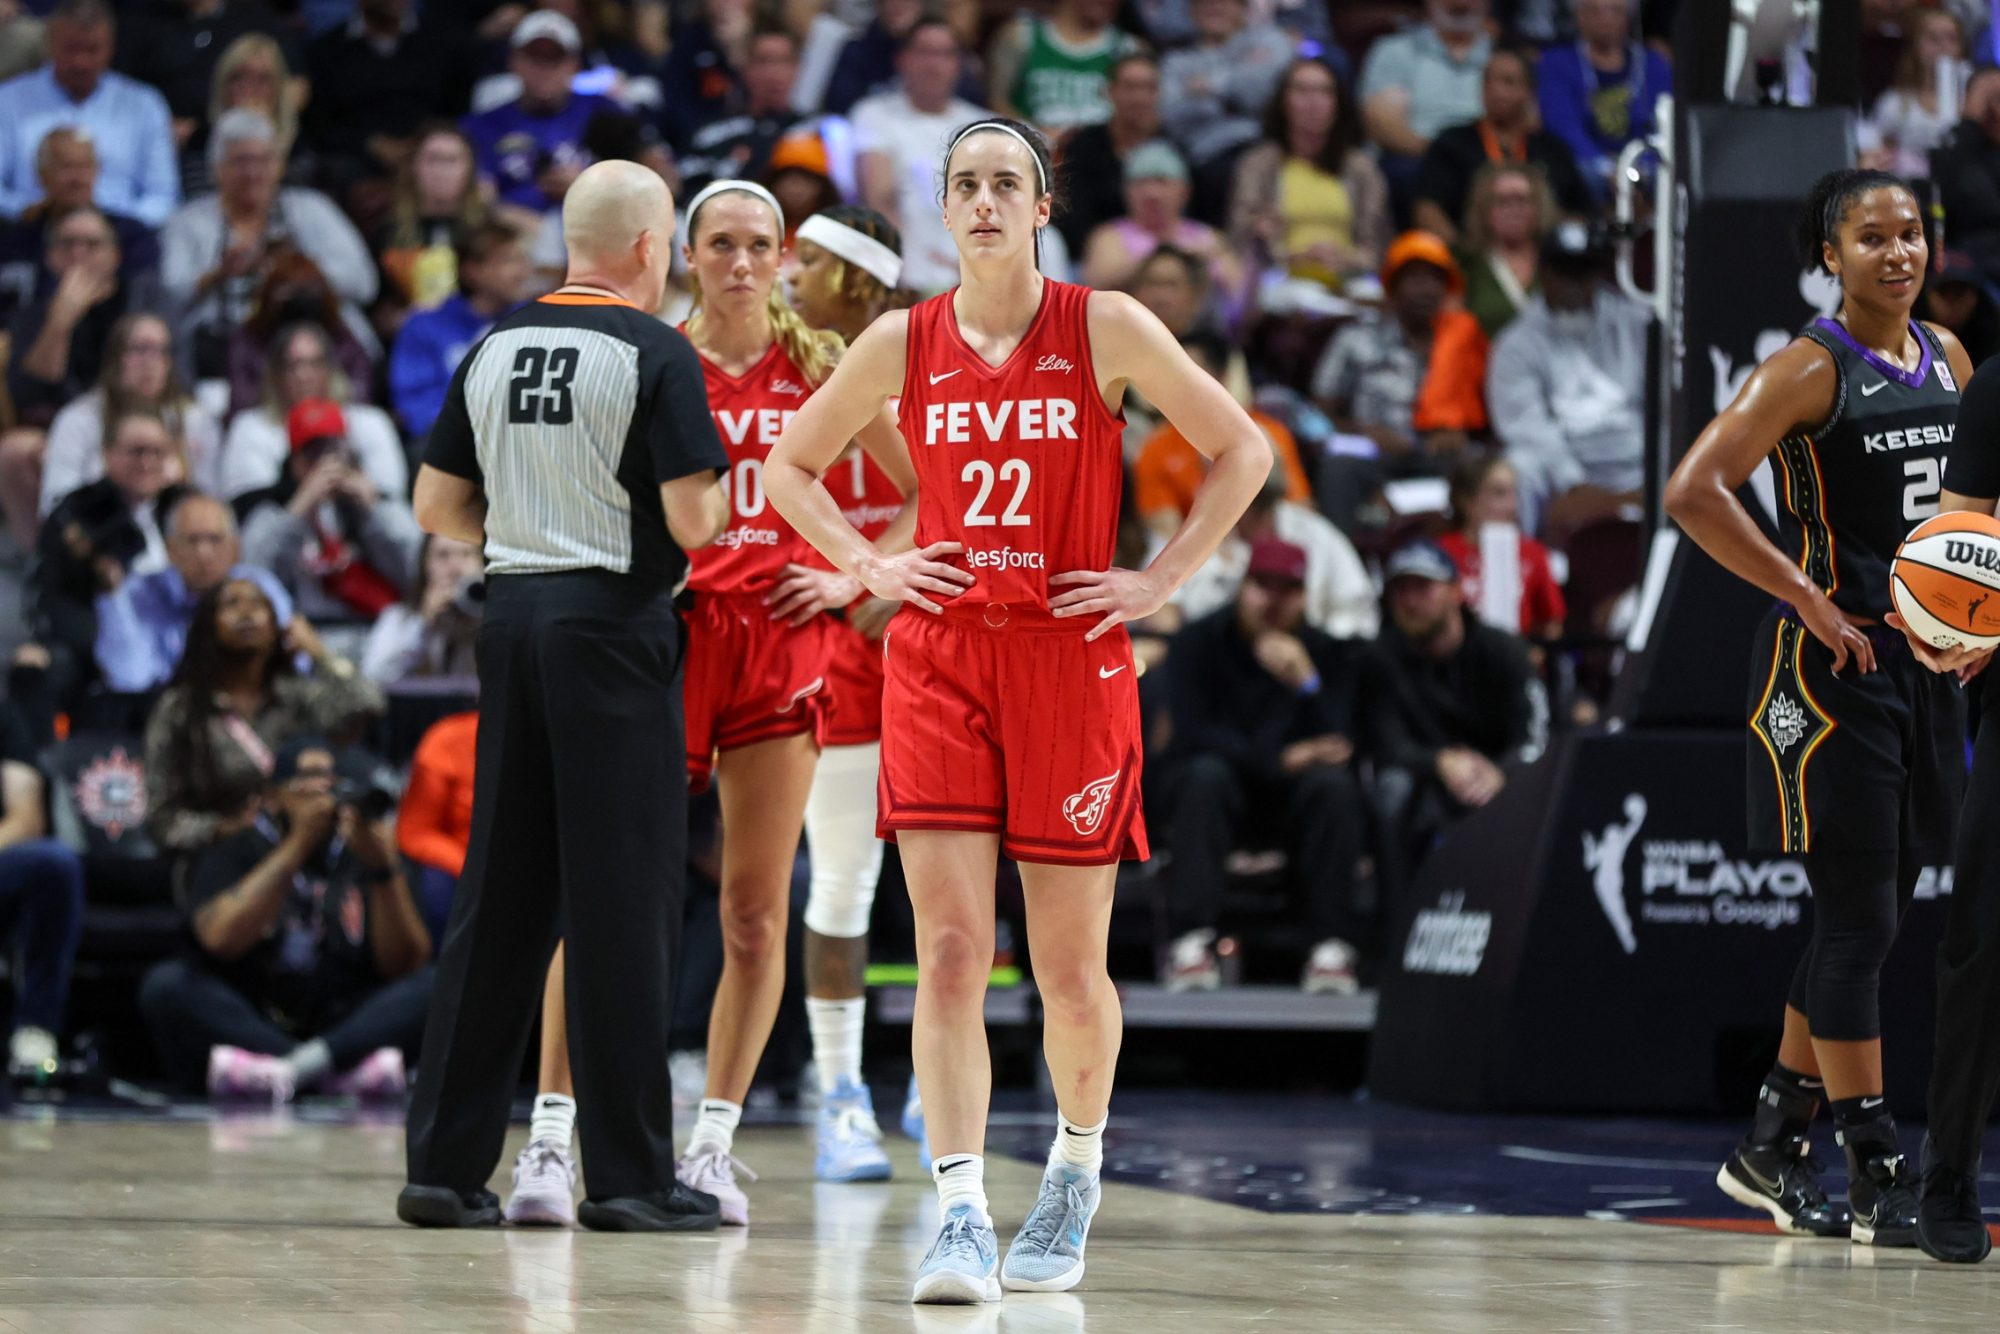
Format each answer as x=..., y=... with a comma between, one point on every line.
x=283, y=1222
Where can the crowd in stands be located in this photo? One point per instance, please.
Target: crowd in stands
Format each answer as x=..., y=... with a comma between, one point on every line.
x=248, y=242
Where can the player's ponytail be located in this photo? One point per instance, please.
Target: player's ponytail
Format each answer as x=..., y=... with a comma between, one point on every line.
x=814, y=351
x=1826, y=208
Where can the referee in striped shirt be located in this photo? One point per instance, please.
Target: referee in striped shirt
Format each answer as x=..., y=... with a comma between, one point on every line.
x=576, y=445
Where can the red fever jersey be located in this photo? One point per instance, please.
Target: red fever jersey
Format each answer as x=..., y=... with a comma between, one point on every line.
x=869, y=501
x=749, y=678
x=1021, y=463
x=997, y=716
x=750, y=412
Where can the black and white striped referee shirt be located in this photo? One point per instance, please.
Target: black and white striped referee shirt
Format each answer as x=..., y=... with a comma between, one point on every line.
x=570, y=415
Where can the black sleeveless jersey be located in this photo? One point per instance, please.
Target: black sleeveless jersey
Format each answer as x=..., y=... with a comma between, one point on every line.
x=1851, y=489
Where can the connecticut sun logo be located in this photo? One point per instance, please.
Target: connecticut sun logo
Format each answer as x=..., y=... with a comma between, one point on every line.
x=111, y=793
x=1085, y=810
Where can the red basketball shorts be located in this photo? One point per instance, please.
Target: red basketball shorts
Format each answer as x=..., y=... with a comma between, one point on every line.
x=749, y=678
x=853, y=687
x=1003, y=720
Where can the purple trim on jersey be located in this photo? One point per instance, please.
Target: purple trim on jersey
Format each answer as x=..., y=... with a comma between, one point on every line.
x=1908, y=379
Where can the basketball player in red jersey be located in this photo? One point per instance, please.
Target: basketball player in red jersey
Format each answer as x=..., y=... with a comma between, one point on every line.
x=845, y=266
x=1010, y=717
x=756, y=672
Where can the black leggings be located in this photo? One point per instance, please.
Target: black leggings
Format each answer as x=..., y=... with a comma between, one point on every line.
x=1858, y=902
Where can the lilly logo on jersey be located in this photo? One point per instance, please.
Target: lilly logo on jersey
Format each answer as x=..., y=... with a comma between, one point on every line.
x=770, y=424
x=1053, y=362
x=787, y=387
x=1085, y=810
x=1911, y=437
x=1031, y=418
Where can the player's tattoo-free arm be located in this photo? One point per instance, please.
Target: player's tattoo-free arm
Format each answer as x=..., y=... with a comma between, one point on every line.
x=1795, y=387
x=1129, y=344
x=845, y=407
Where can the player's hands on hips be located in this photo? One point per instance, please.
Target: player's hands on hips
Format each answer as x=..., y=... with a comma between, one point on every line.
x=805, y=592
x=1832, y=627
x=1965, y=663
x=871, y=616
x=907, y=575
x=1116, y=595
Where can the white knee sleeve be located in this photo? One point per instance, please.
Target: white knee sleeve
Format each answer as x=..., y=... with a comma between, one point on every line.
x=840, y=839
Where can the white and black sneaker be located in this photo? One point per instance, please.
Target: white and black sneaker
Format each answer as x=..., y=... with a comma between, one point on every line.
x=1782, y=1179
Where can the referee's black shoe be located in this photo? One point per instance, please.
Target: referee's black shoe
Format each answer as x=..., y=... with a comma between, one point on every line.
x=675, y=1210
x=441, y=1206
x=1783, y=1180
x=1881, y=1186
x=1949, y=1224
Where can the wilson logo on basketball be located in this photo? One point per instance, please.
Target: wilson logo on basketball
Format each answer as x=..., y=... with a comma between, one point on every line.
x=1978, y=555
x=1085, y=811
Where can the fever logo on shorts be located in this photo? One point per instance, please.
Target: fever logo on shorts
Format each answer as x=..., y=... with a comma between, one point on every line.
x=1085, y=810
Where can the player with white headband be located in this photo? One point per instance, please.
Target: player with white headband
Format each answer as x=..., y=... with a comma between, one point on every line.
x=1010, y=714
x=844, y=271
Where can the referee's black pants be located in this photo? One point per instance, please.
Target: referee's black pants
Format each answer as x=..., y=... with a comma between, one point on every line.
x=1965, y=1069
x=579, y=831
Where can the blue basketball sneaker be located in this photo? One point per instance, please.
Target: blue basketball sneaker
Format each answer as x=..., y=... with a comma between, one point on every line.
x=1047, y=1254
x=850, y=1143
x=961, y=1267
x=913, y=1125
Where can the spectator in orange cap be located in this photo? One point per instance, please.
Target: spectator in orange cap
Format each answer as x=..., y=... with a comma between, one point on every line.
x=1406, y=383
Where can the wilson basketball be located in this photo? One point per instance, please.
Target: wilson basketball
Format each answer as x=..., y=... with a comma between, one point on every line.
x=1945, y=580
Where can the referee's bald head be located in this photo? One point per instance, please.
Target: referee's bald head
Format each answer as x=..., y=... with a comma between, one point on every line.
x=618, y=224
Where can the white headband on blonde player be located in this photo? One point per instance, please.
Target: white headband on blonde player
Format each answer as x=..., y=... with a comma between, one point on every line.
x=863, y=252
x=1011, y=133
x=724, y=187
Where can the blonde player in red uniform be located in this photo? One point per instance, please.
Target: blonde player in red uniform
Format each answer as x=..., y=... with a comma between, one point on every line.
x=845, y=266
x=757, y=649
x=1010, y=717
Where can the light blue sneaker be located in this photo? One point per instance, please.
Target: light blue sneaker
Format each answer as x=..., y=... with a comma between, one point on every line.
x=1047, y=1254
x=913, y=1124
x=961, y=1267
x=850, y=1143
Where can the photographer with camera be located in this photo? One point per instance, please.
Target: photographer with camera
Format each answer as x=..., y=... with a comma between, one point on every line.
x=343, y=549
x=431, y=633
x=311, y=963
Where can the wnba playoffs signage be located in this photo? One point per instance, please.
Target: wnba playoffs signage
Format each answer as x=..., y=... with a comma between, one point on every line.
x=1608, y=902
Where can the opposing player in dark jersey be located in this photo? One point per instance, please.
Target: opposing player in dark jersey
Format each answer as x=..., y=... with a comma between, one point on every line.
x=1856, y=757
x=1010, y=719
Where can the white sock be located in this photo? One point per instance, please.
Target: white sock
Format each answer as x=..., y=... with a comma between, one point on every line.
x=961, y=1179
x=715, y=1127
x=836, y=1035
x=1078, y=1146
x=310, y=1063
x=554, y=1118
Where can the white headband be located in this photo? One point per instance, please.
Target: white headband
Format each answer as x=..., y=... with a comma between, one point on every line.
x=864, y=252
x=1011, y=133
x=748, y=188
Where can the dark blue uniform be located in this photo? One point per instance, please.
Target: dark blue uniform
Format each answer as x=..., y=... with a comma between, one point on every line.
x=1856, y=762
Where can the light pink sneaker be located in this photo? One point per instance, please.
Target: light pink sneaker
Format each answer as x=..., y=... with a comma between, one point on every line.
x=544, y=1193
x=379, y=1077
x=713, y=1171
x=236, y=1075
